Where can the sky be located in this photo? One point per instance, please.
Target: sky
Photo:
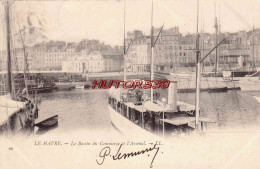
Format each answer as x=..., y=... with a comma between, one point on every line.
x=103, y=19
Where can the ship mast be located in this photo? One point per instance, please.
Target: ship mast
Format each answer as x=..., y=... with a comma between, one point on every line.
x=152, y=53
x=219, y=32
x=216, y=40
x=202, y=39
x=153, y=43
x=124, y=47
x=253, y=46
x=198, y=69
x=8, y=46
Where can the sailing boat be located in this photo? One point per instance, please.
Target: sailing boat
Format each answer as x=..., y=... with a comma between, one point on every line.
x=251, y=82
x=217, y=85
x=17, y=113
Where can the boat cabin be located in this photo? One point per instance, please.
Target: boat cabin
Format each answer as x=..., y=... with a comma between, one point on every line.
x=156, y=117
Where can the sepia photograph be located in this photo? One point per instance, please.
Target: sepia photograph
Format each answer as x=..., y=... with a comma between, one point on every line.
x=118, y=84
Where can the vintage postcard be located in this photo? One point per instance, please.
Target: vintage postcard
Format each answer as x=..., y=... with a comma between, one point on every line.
x=118, y=84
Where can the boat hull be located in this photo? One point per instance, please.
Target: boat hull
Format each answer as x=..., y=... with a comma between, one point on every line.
x=232, y=74
x=250, y=85
x=217, y=90
x=80, y=87
x=46, y=89
x=64, y=86
x=17, y=125
x=48, y=123
x=257, y=98
x=126, y=127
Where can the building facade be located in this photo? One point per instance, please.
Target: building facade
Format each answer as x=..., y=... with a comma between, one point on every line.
x=172, y=50
x=95, y=62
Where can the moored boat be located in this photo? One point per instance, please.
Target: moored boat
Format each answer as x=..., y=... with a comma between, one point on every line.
x=48, y=123
x=217, y=89
x=227, y=74
x=16, y=116
x=40, y=88
x=133, y=112
x=17, y=110
x=64, y=86
x=130, y=113
x=79, y=87
x=249, y=85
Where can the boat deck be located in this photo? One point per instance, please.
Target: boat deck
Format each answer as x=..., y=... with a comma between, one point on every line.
x=8, y=108
x=178, y=121
x=139, y=108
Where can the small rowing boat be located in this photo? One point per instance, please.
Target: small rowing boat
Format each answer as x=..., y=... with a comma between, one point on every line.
x=50, y=122
x=79, y=86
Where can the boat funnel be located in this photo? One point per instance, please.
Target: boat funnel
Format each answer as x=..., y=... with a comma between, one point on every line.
x=172, y=95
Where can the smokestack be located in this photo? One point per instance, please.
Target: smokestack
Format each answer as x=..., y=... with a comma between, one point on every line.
x=172, y=95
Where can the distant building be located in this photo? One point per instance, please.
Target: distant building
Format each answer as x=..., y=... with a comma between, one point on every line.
x=95, y=62
x=165, y=51
x=172, y=50
x=54, y=58
x=73, y=65
x=138, y=58
x=113, y=59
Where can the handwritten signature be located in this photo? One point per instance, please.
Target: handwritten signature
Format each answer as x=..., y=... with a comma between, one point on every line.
x=118, y=156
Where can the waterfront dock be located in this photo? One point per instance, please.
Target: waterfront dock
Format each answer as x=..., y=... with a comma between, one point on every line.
x=186, y=82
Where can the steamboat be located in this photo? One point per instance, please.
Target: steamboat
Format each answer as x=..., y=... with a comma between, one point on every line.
x=131, y=112
x=139, y=111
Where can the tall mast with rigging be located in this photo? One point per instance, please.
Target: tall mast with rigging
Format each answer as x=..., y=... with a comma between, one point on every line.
x=153, y=43
x=253, y=42
x=202, y=38
x=124, y=47
x=219, y=34
x=8, y=46
x=198, y=69
x=152, y=53
x=199, y=60
x=216, y=40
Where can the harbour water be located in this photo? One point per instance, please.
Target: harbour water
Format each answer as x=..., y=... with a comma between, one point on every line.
x=87, y=109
